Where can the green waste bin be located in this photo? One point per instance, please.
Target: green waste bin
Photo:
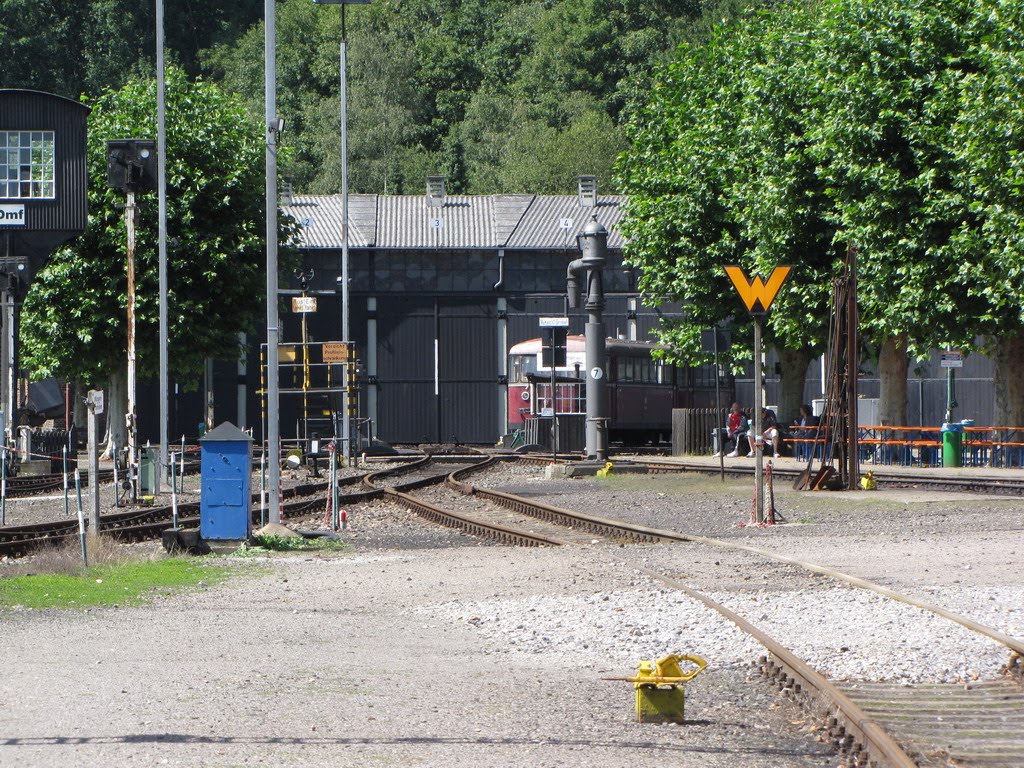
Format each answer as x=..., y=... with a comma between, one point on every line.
x=952, y=442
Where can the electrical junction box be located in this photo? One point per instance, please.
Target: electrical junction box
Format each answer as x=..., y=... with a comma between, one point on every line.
x=225, y=502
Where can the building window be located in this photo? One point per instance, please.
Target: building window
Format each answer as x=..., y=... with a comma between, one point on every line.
x=27, y=166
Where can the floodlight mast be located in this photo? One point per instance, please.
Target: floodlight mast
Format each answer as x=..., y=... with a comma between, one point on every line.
x=346, y=423
x=273, y=436
x=161, y=152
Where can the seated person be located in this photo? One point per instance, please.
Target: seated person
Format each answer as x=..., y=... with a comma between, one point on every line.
x=736, y=428
x=805, y=428
x=771, y=432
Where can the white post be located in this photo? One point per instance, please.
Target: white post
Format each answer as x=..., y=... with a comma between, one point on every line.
x=345, y=310
x=758, y=426
x=7, y=358
x=161, y=160
x=242, y=371
x=94, y=467
x=129, y=217
x=174, y=492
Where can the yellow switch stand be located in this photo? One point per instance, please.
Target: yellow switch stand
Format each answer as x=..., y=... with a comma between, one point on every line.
x=659, y=688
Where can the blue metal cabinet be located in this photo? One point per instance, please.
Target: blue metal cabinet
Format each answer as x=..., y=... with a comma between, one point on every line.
x=225, y=503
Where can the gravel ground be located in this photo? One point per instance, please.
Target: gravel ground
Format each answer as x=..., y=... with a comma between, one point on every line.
x=428, y=647
x=355, y=660
x=958, y=551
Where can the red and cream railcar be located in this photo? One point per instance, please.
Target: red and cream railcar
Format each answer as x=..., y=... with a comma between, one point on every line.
x=641, y=391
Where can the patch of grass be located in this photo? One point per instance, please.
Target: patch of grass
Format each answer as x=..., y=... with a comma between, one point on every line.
x=124, y=583
x=67, y=557
x=295, y=544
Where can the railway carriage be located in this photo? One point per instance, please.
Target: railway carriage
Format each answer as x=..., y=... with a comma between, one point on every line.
x=641, y=391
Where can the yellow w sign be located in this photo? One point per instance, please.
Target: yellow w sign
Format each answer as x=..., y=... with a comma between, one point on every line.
x=757, y=291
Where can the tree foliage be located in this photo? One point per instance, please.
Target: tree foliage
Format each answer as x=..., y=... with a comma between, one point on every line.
x=719, y=172
x=890, y=126
x=75, y=48
x=74, y=320
x=422, y=77
x=498, y=95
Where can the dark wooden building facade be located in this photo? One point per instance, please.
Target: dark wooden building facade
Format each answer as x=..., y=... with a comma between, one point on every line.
x=441, y=287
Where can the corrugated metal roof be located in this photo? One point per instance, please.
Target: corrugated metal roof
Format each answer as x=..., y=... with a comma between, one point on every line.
x=526, y=222
x=553, y=221
x=508, y=214
x=463, y=221
x=320, y=217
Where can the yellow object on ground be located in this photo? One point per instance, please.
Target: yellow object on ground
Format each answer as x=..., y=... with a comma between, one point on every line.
x=868, y=482
x=659, y=688
x=606, y=471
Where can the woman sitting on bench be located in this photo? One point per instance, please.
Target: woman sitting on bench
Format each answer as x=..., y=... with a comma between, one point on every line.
x=736, y=428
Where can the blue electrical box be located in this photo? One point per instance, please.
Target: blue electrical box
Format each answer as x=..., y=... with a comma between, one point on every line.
x=225, y=501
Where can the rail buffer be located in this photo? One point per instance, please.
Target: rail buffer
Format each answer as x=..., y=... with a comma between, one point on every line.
x=659, y=688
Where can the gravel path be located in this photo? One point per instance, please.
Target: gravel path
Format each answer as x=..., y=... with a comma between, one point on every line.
x=359, y=661
x=425, y=646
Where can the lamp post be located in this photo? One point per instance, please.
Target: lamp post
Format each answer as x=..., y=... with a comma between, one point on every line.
x=346, y=428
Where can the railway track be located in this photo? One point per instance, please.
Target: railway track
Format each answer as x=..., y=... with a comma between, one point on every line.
x=870, y=723
x=144, y=523
x=33, y=485
x=19, y=486
x=430, y=471
x=890, y=480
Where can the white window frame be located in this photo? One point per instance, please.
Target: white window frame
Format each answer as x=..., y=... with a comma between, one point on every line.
x=28, y=165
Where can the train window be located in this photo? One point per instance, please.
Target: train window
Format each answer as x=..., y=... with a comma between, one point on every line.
x=624, y=369
x=521, y=366
x=648, y=371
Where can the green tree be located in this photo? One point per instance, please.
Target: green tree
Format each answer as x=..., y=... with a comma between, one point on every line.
x=592, y=47
x=74, y=320
x=890, y=75
x=507, y=151
x=427, y=80
x=718, y=173
x=988, y=143
x=41, y=45
x=74, y=48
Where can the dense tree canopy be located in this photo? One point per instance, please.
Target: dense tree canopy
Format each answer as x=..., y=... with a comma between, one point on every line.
x=889, y=126
x=498, y=95
x=719, y=173
x=71, y=48
x=780, y=135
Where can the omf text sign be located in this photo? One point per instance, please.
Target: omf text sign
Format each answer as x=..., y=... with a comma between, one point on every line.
x=12, y=215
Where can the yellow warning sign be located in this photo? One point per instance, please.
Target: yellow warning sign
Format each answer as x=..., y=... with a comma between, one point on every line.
x=757, y=291
x=336, y=352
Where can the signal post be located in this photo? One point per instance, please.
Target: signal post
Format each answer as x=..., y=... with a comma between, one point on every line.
x=760, y=294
